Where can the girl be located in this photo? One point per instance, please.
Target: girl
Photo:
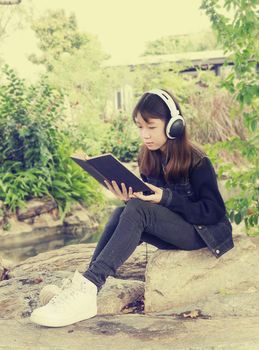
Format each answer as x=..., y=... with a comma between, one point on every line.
x=185, y=211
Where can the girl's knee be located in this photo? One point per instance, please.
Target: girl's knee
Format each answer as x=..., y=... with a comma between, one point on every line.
x=119, y=209
x=135, y=203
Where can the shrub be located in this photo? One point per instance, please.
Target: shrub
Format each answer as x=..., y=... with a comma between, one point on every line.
x=35, y=147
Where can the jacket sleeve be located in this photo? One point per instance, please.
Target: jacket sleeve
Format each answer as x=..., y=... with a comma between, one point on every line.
x=209, y=208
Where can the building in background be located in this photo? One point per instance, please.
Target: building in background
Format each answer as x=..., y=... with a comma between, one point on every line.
x=204, y=60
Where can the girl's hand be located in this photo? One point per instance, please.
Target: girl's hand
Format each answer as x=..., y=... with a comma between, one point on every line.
x=114, y=188
x=153, y=198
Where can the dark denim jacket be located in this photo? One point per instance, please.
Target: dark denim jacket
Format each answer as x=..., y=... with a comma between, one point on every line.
x=218, y=237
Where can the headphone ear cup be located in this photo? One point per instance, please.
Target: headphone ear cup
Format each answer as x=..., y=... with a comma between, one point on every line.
x=175, y=128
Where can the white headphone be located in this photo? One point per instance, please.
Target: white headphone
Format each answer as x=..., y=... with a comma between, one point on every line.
x=176, y=124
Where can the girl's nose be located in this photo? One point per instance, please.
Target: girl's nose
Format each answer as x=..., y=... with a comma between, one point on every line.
x=145, y=134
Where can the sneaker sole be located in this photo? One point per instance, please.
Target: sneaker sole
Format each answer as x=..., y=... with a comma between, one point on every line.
x=53, y=323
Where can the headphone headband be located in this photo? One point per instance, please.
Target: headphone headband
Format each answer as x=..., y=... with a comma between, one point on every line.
x=168, y=100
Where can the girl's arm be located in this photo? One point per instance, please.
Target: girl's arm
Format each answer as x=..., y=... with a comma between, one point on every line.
x=209, y=208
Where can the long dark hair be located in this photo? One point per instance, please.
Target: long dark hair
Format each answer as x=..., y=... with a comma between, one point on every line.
x=181, y=153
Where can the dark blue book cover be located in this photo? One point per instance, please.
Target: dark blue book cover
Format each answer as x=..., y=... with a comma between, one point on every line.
x=108, y=167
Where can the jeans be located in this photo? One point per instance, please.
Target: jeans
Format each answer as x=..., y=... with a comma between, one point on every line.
x=139, y=221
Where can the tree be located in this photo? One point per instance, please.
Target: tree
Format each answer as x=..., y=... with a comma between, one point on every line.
x=10, y=2
x=12, y=17
x=73, y=61
x=57, y=34
x=182, y=43
x=239, y=37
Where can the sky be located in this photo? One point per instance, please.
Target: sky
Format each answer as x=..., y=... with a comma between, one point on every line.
x=122, y=26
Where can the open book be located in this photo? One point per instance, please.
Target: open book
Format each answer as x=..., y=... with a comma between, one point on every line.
x=108, y=167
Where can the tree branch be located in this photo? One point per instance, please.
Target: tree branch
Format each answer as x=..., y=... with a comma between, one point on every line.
x=10, y=2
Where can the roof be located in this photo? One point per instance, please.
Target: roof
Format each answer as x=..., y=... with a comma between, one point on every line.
x=197, y=57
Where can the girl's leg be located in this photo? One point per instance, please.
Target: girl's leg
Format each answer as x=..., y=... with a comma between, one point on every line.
x=107, y=233
x=137, y=217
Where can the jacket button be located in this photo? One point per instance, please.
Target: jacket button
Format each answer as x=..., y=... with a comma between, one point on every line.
x=217, y=251
x=200, y=227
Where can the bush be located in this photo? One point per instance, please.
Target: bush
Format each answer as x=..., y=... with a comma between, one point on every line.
x=122, y=139
x=35, y=147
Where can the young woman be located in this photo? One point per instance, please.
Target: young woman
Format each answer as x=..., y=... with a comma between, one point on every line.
x=186, y=210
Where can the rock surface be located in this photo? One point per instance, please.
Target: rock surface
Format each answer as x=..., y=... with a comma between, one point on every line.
x=225, y=286
x=132, y=332
x=19, y=296
x=213, y=304
x=77, y=256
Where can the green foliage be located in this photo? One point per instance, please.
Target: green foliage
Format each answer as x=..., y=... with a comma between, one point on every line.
x=74, y=62
x=35, y=147
x=239, y=37
x=80, y=77
x=58, y=35
x=182, y=43
x=13, y=18
x=122, y=139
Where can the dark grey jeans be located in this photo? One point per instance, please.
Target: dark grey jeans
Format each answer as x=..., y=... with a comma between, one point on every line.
x=130, y=225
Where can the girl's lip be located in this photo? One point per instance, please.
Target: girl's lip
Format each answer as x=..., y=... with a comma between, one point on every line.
x=149, y=143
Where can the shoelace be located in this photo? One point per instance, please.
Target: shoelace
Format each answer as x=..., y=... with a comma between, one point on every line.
x=67, y=291
x=64, y=296
x=66, y=282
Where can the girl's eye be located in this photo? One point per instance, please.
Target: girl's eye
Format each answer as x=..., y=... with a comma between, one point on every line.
x=139, y=127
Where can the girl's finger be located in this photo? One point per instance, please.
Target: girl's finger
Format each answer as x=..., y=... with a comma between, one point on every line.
x=116, y=188
x=109, y=186
x=124, y=189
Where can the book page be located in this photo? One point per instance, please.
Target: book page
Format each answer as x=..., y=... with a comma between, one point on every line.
x=80, y=155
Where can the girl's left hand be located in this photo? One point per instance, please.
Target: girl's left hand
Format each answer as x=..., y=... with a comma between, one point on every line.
x=153, y=198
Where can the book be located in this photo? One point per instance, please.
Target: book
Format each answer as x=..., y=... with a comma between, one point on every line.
x=108, y=167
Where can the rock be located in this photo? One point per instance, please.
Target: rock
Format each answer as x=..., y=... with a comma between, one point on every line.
x=118, y=293
x=177, y=279
x=20, y=291
x=35, y=207
x=5, y=268
x=78, y=256
x=134, y=331
x=19, y=296
x=48, y=292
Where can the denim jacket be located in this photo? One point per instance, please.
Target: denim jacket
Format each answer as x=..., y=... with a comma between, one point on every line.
x=218, y=237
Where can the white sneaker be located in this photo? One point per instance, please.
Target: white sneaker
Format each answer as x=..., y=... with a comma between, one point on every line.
x=77, y=302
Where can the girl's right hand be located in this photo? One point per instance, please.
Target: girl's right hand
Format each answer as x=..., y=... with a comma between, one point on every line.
x=114, y=188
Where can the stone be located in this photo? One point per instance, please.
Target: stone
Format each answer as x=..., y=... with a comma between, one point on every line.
x=48, y=292
x=118, y=293
x=78, y=256
x=5, y=268
x=134, y=331
x=35, y=207
x=176, y=279
x=19, y=296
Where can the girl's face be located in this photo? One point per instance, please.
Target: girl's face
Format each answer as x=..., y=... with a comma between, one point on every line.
x=152, y=132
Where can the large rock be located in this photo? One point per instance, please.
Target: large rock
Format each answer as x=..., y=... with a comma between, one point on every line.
x=19, y=291
x=134, y=331
x=19, y=296
x=196, y=279
x=77, y=256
